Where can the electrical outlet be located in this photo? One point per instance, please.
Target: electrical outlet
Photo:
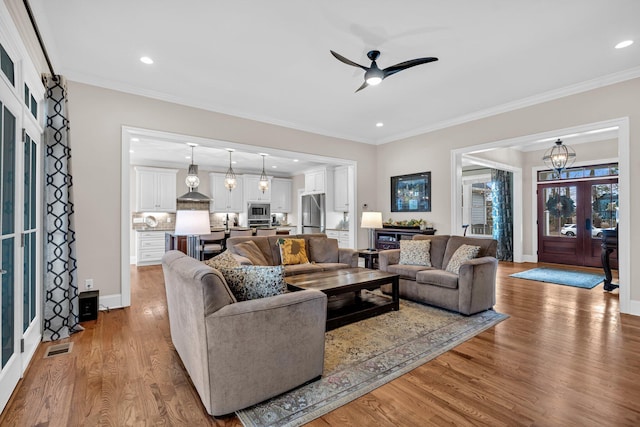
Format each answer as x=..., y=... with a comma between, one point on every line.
x=88, y=284
x=168, y=219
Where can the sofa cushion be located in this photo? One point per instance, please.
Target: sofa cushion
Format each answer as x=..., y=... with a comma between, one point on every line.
x=333, y=265
x=438, y=247
x=436, y=277
x=487, y=247
x=415, y=252
x=323, y=249
x=249, y=282
x=293, y=251
x=292, y=269
x=225, y=259
x=250, y=250
x=407, y=271
x=462, y=254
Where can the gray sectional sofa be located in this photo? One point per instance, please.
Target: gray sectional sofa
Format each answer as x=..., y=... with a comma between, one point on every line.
x=241, y=353
x=470, y=291
x=322, y=252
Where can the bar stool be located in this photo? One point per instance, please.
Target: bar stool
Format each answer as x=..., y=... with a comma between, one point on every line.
x=265, y=232
x=234, y=232
x=211, y=244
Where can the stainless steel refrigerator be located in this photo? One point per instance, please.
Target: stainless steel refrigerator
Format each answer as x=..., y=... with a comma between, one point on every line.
x=313, y=213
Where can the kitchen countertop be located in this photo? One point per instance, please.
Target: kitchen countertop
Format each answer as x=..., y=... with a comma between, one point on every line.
x=337, y=229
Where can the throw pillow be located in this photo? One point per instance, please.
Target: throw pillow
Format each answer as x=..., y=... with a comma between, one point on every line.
x=252, y=252
x=249, y=282
x=322, y=249
x=225, y=259
x=462, y=254
x=415, y=252
x=293, y=251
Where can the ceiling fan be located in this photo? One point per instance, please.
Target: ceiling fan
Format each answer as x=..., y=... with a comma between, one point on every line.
x=374, y=75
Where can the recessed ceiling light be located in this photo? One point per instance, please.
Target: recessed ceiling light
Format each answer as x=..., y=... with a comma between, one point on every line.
x=295, y=160
x=234, y=162
x=135, y=139
x=131, y=151
x=187, y=157
x=274, y=166
x=379, y=124
x=624, y=44
x=146, y=60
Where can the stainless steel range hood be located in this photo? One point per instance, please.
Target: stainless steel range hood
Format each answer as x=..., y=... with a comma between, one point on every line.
x=194, y=196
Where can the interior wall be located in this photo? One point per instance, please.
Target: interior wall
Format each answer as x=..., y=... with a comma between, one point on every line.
x=96, y=118
x=432, y=151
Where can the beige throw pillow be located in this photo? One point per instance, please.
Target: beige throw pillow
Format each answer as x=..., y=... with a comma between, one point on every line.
x=252, y=252
x=225, y=259
x=415, y=252
x=462, y=254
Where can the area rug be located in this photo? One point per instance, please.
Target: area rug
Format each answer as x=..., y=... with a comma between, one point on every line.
x=578, y=279
x=365, y=355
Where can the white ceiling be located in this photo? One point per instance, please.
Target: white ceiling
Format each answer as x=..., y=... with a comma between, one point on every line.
x=270, y=61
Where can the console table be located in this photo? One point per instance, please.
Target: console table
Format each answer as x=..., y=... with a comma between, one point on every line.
x=389, y=238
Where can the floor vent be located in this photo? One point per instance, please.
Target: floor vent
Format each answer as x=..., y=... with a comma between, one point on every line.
x=58, y=349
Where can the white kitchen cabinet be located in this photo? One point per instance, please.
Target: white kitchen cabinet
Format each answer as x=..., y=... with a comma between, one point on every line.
x=155, y=189
x=252, y=192
x=281, y=190
x=342, y=236
x=223, y=199
x=315, y=181
x=149, y=247
x=341, y=185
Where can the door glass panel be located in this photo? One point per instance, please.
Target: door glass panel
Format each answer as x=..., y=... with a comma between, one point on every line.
x=7, y=301
x=559, y=219
x=604, y=208
x=8, y=171
x=29, y=250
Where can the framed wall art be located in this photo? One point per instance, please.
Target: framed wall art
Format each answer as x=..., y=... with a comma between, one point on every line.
x=411, y=193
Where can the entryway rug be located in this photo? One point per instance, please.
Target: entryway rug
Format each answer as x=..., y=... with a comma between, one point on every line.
x=365, y=355
x=578, y=279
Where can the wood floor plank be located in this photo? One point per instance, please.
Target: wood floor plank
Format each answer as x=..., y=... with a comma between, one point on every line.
x=565, y=357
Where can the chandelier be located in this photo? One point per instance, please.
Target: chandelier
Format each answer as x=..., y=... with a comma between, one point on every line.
x=263, y=185
x=192, y=179
x=559, y=157
x=230, y=177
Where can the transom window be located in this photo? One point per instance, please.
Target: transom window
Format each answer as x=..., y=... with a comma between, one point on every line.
x=7, y=66
x=597, y=171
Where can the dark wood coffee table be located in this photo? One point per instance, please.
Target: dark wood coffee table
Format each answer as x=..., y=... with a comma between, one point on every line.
x=346, y=303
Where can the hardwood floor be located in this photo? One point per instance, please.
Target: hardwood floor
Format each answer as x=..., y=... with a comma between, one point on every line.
x=565, y=357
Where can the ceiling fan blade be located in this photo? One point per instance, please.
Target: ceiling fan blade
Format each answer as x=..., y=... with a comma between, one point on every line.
x=365, y=84
x=347, y=61
x=389, y=71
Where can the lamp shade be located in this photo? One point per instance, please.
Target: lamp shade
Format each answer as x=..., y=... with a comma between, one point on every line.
x=190, y=223
x=371, y=220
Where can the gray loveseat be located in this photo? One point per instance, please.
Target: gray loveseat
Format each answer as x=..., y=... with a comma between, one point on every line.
x=241, y=353
x=323, y=253
x=469, y=292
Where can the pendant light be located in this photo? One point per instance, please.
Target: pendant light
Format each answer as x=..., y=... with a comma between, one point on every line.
x=192, y=179
x=559, y=157
x=230, y=176
x=193, y=182
x=263, y=185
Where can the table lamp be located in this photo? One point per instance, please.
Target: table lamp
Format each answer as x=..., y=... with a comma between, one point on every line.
x=192, y=224
x=371, y=220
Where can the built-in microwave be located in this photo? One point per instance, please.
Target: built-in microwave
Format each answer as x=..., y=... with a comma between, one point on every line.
x=259, y=211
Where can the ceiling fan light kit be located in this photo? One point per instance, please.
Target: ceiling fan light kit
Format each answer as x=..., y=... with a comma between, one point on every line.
x=373, y=74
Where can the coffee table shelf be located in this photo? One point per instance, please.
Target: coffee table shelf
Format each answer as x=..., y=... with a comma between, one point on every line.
x=348, y=300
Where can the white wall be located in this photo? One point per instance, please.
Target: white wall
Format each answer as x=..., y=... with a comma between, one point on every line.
x=96, y=118
x=432, y=151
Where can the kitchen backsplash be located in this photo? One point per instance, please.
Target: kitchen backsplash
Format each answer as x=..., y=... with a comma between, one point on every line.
x=167, y=221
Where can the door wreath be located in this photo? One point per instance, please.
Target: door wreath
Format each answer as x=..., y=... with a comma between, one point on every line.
x=560, y=205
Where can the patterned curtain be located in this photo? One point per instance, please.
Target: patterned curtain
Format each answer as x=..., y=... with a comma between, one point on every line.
x=501, y=199
x=61, y=284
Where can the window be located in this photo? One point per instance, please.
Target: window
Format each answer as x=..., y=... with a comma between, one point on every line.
x=580, y=172
x=6, y=65
x=476, y=203
x=30, y=102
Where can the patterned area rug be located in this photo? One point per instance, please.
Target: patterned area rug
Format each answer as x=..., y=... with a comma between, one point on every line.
x=365, y=355
x=577, y=279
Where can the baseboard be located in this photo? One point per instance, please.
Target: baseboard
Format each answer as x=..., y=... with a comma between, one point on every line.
x=133, y=259
x=530, y=258
x=108, y=302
